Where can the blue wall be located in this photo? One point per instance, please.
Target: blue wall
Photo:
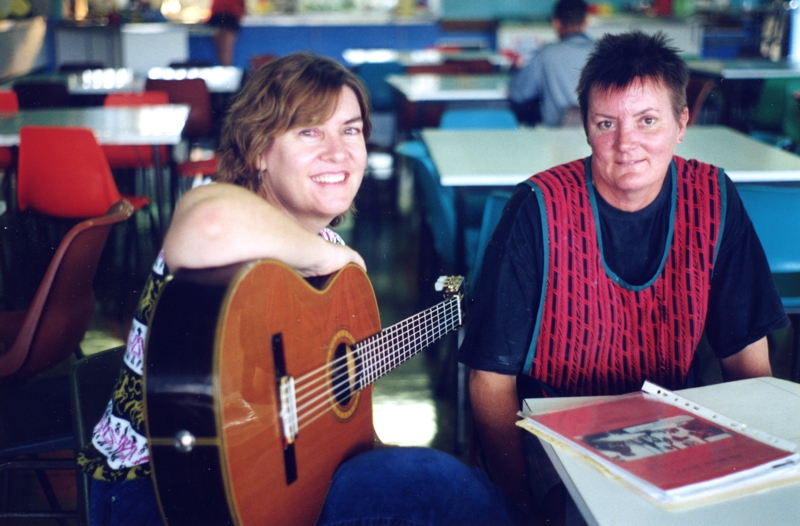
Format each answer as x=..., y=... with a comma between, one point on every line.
x=328, y=41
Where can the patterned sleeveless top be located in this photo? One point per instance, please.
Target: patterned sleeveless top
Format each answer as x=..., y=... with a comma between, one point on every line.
x=596, y=334
x=118, y=450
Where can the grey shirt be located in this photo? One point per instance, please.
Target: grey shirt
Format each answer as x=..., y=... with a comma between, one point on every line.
x=551, y=75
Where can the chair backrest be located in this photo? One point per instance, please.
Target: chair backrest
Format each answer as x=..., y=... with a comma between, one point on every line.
x=193, y=92
x=697, y=91
x=63, y=173
x=472, y=66
x=478, y=119
x=438, y=200
x=139, y=98
x=77, y=67
x=382, y=96
x=768, y=112
x=8, y=101
x=36, y=94
x=62, y=308
x=492, y=211
x=91, y=382
x=775, y=213
x=256, y=61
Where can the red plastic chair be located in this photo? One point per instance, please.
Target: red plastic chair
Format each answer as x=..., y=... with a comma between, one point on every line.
x=64, y=173
x=199, y=125
x=35, y=411
x=8, y=104
x=57, y=319
x=134, y=156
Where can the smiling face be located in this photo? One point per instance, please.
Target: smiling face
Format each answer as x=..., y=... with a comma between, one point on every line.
x=633, y=133
x=313, y=172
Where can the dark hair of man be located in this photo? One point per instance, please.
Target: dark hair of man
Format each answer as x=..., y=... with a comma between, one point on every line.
x=571, y=13
x=622, y=59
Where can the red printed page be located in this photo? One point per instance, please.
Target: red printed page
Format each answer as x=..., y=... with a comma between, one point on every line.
x=659, y=443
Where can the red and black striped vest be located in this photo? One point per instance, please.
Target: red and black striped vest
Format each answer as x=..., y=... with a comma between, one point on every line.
x=595, y=334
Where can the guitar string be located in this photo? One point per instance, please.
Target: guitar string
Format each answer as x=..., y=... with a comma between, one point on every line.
x=318, y=411
x=367, y=356
x=381, y=335
x=363, y=348
x=368, y=351
x=363, y=355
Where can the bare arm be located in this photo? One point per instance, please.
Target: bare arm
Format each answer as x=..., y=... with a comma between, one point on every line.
x=220, y=224
x=495, y=406
x=750, y=362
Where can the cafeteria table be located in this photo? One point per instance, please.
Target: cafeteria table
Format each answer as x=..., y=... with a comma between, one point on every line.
x=760, y=403
x=432, y=87
x=142, y=125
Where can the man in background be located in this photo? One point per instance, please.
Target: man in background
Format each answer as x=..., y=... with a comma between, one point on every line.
x=551, y=75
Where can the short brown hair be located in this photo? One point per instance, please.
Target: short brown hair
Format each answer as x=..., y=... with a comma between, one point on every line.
x=619, y=60
x=297, y=90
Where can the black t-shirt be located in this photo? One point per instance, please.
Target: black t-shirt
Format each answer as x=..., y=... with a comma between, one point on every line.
x=744, y=304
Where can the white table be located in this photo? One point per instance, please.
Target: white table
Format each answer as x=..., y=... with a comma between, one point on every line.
x=430, y=87
x=508, y=157
x=742, y=69
x=420, y=57
x=141, y=125
x=767, y=404
x=219, y=79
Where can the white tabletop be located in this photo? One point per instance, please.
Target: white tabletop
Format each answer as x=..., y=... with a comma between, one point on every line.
x=136, y=125
x=767, y=404
x=428, y=87
x=420, y=57
x=741, y=69
x=507, y=157
x=219, y=79
x=104, y=81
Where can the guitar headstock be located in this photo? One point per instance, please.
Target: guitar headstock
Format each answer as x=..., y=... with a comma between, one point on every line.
x=450, y=285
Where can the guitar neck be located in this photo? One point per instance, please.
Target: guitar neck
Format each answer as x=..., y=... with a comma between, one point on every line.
x=384, y=351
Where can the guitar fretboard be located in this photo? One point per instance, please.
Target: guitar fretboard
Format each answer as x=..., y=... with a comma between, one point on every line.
x=384, y=351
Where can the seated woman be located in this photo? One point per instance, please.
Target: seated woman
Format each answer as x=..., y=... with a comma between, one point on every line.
x=292, y=157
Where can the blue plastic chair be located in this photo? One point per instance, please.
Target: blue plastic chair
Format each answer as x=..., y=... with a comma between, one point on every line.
x=492, y=211
x=438, y=200
x=465, y=119
x=382, y=96
x=775, y=213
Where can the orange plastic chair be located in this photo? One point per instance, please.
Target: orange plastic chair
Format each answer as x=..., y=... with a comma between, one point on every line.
x=35, y=411
x=8, y=104
x=134, y=156
x=64, y=173
x=56, y=322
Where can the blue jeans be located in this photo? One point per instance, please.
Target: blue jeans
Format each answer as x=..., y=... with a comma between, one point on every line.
x=397, y=486
x=414, y=486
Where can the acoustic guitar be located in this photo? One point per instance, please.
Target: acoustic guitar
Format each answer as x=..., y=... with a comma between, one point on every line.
x=257, y=387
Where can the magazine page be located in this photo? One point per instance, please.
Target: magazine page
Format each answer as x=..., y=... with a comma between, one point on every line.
x=665, y=446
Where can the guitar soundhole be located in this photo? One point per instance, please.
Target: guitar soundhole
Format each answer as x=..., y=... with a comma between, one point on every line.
x=345, y=374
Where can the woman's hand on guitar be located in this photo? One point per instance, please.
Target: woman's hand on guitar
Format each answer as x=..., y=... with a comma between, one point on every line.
x=334, y=258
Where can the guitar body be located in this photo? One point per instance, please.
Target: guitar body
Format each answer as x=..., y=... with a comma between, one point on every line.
x=216, y=352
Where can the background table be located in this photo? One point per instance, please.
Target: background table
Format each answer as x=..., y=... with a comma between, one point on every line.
x=142, y=125
x=431, y=87
x=762, y=403
x=508, y=157
x=420, y=57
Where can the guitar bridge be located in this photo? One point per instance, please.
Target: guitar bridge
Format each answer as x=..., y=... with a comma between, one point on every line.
x=288, y=411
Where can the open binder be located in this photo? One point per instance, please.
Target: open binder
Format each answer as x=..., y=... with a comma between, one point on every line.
x=673, y=451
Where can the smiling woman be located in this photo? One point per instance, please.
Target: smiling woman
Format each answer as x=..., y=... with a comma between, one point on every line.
x=292, y=157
